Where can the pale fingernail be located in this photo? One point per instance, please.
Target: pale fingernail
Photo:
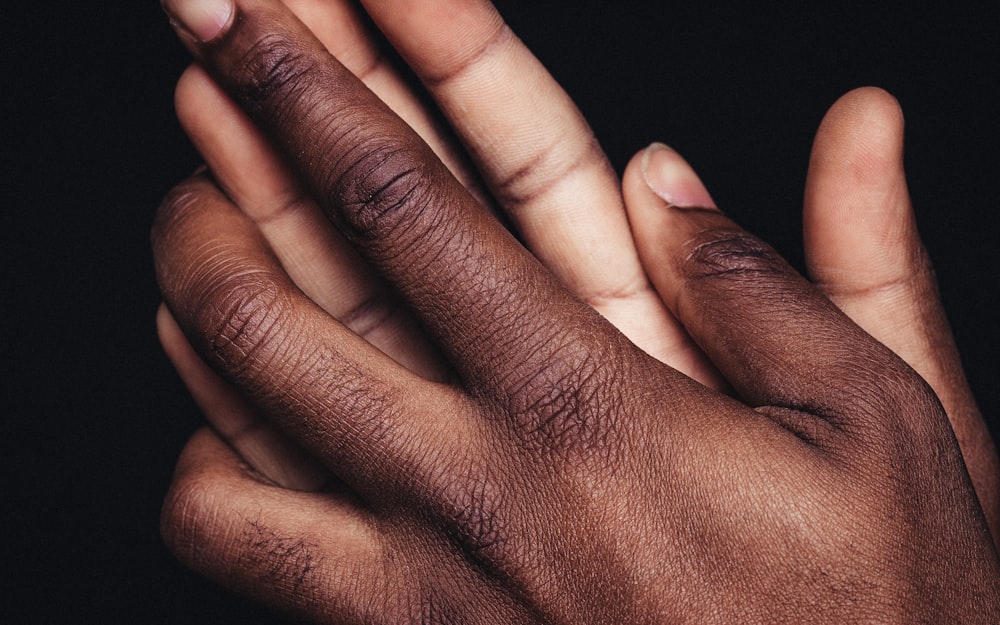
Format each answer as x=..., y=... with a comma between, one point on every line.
x=203, y=20
x=670, y=177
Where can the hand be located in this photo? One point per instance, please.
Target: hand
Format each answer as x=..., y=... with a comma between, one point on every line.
x=563, y=448
x=574, y=197
x=860, y=236
x=863, y=252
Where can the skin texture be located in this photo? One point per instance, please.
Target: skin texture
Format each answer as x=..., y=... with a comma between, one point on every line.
x=556, y=445
x=864, y=252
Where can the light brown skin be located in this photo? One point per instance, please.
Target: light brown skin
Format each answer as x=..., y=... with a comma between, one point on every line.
x=564, y=475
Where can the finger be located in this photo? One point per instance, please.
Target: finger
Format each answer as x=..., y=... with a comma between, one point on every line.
x=315, y=256
x=262, y=446
x=346, y=33
x=324, y=386
x=313, y=554
x=864, y=252
x=773, y=336
x=485, y=299
x=538, y=156
x=323, y=557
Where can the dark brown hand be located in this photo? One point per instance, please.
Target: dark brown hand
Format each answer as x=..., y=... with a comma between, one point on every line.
x=566, y=476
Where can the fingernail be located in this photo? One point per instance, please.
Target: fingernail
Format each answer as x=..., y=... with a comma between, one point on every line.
x=670, y=177
x=202, y=20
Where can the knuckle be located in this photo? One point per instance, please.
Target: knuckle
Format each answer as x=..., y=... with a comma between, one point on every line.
x=375, y=412
x=435, y=610
x=274, y=70
x=386, y=188
x=733, y=255
x=563, y=405
x=289, y=563
x=475, y=516
x=239, y=316
x=199, y=527
x=898, y=401
x=549, y=172
x=190, y=520
x=427, y=604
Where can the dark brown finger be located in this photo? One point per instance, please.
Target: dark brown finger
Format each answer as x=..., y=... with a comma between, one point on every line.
x=772, y=334
x=258, y=442
x=314, y=255
x=507, y=324
x=324, y=557
x=309, y=553
x=336, y=395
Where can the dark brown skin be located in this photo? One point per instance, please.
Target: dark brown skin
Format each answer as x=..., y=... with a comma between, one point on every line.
x=566, y=476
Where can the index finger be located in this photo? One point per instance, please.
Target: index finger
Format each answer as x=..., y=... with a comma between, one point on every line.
x=500, y=316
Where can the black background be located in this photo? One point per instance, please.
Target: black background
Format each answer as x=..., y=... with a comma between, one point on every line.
x=93, y=417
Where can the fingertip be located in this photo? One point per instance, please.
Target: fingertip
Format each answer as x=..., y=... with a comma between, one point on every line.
x=200, y=20
x=658, y=179
x=189, y=94
x=874, y=100
x=857, y=219
x=659, y=175
x=670, y=177
x=863, y=130
x=169, y=333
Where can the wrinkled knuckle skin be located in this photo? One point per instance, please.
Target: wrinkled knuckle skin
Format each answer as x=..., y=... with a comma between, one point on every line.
x=189, y=522
x=229, y=303
x=237, y=316
x=903, y=405
x=567, y=406
x=731, y=255
x=385, y=188
x=290, y=563
x=429, y=604
x=375, y=411
x=274, y=72
x=433, y=610
x=471, y=512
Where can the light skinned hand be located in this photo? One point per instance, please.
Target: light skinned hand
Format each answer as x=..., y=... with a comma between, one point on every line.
x=562, y=474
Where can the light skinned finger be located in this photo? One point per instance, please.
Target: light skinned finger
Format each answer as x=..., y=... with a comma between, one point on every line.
x=330, y=391
x=539, y=158
x=864, y=252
